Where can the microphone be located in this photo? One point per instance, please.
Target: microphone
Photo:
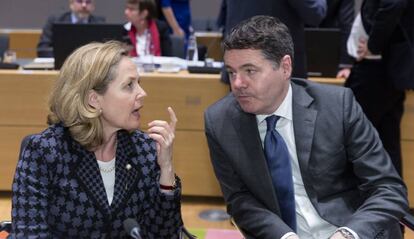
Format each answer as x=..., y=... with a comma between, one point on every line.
x=132, y=228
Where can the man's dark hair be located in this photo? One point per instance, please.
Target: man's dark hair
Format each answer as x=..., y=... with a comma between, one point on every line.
x=264, y=33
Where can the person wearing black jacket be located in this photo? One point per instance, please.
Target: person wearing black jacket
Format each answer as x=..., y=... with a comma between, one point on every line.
x=80, y=13
x=379, y=84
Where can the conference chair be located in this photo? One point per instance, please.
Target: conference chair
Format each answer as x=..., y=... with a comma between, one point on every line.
x=4, y=43
x=177, y=45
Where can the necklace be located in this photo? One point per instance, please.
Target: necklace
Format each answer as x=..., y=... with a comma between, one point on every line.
x=107, y=170
x=107, y=167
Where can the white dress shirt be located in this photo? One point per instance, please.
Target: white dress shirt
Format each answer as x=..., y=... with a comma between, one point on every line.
x=309, y=223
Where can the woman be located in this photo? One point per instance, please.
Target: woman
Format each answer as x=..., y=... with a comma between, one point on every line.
x=147, y=35
x=92, y=169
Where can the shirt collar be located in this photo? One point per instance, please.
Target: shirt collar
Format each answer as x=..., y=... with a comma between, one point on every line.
x=75, y=19
x=284, y=110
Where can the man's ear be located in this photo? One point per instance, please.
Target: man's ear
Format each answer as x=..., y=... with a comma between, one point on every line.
x=93, y=99
x=286, y=66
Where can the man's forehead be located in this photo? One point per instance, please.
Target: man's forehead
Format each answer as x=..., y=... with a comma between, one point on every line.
x=238, y=58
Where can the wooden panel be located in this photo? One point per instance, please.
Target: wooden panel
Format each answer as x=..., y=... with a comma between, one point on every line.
x=407, y=124
x=189, y=97
x=408, y=167
x=23, y=97
x=192, y=163
x=23, y=110
x=24, y=42
x=10, y=139
x=212, y=40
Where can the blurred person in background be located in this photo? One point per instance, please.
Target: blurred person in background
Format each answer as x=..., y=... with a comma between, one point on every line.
x=382, y=41
x=80, y=13
x=177, y=13
x=295, y=14
x=147, y=34
x=340, y=14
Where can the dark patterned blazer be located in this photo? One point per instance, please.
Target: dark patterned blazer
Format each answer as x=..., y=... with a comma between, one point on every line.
x=58, y=191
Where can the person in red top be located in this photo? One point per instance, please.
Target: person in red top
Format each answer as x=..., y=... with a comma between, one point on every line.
x=147, y=34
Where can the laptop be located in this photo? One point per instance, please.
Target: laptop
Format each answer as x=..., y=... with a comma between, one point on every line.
x=322, y=47
x=68, y=37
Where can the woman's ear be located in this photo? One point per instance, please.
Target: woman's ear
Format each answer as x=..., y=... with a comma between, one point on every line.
x=93, y=99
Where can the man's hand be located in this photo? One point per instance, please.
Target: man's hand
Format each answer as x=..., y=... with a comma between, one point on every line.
x=337, y=235
x=293, y=237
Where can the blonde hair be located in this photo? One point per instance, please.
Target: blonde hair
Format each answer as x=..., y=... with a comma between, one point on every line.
x=90, y=67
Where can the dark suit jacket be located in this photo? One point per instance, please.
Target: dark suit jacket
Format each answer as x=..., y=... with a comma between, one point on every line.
x=389, y=24
x=58, y=191
x=45, y=45
x=347, y=174
x=340, y=14
x=293, y=13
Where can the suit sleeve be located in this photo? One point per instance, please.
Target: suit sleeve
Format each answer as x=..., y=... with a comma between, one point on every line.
x=251, y=216
x=345, y=20
x=385, y=21
x=30, y=193
x=44, y=46
x=162, y=210
x=379, y=183
x=311, y=12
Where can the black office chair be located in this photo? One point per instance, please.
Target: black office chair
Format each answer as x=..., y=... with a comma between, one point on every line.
x=177, y=46
x=4, y=44
x=5, y=226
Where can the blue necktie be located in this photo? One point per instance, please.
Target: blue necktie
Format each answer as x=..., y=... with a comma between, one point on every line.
x=278, y=161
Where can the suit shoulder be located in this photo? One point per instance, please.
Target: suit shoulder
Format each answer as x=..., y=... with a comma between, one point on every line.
x=97, y=19
x=315, y=88
x=221, y=106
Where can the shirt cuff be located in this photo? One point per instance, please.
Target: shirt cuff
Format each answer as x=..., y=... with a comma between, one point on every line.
x=349, y=230
x=288, y=235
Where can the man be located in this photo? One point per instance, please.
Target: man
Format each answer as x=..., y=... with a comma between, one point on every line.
x=80, y=12
x=379, y=83
x=295, y=14
x=340, y=14
x=337, y=182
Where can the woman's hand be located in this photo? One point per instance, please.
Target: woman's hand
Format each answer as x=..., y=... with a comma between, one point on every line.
x=164, y=133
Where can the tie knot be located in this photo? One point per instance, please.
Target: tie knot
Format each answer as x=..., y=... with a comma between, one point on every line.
x=271, y=122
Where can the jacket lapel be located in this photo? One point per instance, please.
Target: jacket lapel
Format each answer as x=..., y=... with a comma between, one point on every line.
x=246, y=128
x=87, y=171
x=304, y=119
x=126, y=171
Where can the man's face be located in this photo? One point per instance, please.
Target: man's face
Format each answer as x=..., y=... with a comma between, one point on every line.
x=258, y=84
x=82, y=8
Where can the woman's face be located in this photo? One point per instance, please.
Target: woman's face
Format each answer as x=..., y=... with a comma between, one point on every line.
x=134, y=15
x=123, y=99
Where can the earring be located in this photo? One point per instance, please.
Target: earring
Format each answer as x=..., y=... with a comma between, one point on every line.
x=100, y=111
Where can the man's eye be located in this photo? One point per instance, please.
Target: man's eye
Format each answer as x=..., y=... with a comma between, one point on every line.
x=250, y=71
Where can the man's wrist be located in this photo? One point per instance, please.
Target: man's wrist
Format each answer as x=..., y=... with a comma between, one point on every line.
x=346, y=233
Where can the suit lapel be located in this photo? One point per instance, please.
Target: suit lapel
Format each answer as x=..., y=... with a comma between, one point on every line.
x=88, y=174
x=246, y=128
x=304, y=119
x=127, y=173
